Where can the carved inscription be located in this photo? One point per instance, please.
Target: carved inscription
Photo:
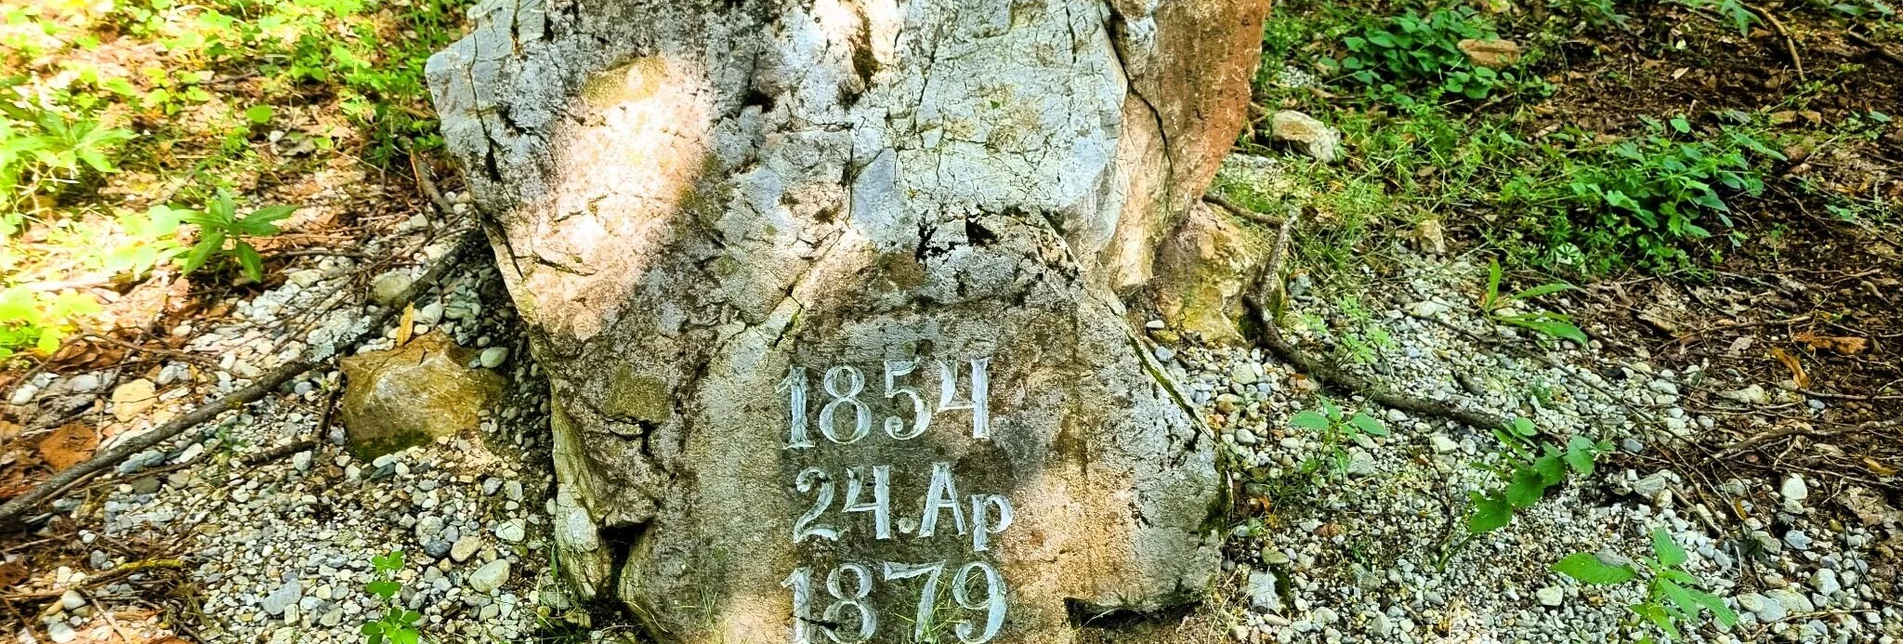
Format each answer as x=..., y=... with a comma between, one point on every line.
x=856, y=502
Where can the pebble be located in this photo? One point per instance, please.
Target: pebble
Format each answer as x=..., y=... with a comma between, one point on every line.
x=464, y=548
x=511, y=531
x=282, y=598
x=490, y=576
x=1797, y=540
x=61, y=632
x=1794, y=489
x=1550, y=596
x=493, y=357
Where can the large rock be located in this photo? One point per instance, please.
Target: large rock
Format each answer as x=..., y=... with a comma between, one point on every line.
x=825, y=295
x=409, y=395
x=1203, y=271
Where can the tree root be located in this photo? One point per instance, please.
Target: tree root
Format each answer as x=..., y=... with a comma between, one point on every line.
x=12, y=512
x=1265, y=297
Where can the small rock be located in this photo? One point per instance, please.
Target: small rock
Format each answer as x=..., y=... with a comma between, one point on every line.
x=301, y=461
x=1493, y=54
x=511, y=531
x=388, y=288
x=490, y=576
x=1791, y=600
x=1651, y=486
x=61, y=632
x=1551, y=596
x=1306, y=134
x=132, y=398
x=1797, y=540
x=493, y=357
x=1427, y=309
x=1825, y=581
x=23, y=395
x=1794, y=489
x=465, y=548
x=1262, y=593
x=1752, y=395
x=1154, y=325
x=71, y=600
x=283, y=597
x=1243, y=374
x=1442, y=444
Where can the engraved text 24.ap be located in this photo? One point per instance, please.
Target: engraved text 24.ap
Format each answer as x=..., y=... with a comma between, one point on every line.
x=844, y=419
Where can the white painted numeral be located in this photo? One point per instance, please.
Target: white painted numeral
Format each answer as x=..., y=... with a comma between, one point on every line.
x=795, y=384
x=805, y=527
x=925, y=621
x=979, y=403
x=881, y=504
x=941, y=494
x=862, y=414
x=992, y=604
x=801, y=583
x=921, y=413
x=868, y=620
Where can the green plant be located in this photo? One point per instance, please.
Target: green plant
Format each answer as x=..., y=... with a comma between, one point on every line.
x=1735, y=11
x=219, y=222
x=1553, y=324
x=1336, y=430
x=1671, y=598
x=39, y=146
x=1425, y=50
x=398, y=624
x=39, y=320
x=1527, y=475
x=1641, y=197
x=152, y=238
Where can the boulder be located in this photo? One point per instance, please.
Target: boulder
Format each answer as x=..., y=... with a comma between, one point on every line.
x=409, y=395
x=826, y=294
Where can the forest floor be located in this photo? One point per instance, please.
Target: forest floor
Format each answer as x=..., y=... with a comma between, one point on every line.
x=1728, y=230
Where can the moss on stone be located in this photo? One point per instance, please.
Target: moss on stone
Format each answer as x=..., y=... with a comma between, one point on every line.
x=639, y=397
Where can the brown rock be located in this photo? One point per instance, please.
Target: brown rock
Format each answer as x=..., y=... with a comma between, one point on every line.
x=1494, y=54
x=1201, y=272
x=407, y=396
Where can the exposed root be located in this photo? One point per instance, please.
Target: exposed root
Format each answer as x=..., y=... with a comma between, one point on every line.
x=1266, y=296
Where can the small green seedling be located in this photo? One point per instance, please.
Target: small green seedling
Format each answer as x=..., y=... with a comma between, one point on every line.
x=398, y=625
x=1552, y=324
x=1336, y=430
x=220, y=222
x=1671, y=599
x=1529, y=476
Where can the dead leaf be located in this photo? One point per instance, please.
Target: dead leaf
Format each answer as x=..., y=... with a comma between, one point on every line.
x=69, y=445
x=12, y=573
x=1876, y=468
x=405, y=325
x=1790, y=362
x=1849, y=346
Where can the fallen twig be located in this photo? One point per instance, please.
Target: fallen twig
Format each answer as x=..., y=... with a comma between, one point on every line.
x=1790, y=43
x=1268, y=288
x=1239, y=211
x=12, y=511
x=102, y=578
x=1879, y=50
